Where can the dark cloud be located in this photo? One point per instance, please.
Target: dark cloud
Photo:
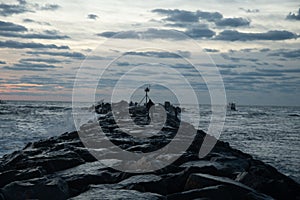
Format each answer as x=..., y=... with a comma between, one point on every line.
x=8, y=26
x=279, y=71
x=200, y=33
x=45, y=60
x=250, y=10
x=27, y=20
x=229, y=66
x=23, y=7
x=29, y=45
x=287, y=53
x=120, y=34
x=247, y=50
x=2, y=62
x=260, y=74
x=75, y=55
x=160, y=34
x=233, y=22
x=50, y=7
x=50, y=35
x=8, y=29
x=10, y=9
x=209, y=16
x=158, y=54
x=183, y=18
x=92, y=16
x=294, y=16
x=27, y=66
x=211, y=50
x=186, y=54
x=123, y=64
x=179, y=25
x=231, y=35
x=265, y=50
x=188, y=16
x=178, y=15
x=227, y=71
x=238, y=59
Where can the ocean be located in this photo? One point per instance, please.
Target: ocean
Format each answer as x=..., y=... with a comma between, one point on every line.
x=268, y=133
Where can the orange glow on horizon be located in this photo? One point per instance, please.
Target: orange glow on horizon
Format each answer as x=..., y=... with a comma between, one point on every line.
x=19, y=85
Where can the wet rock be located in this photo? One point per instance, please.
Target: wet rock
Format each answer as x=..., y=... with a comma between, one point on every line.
x=217, y=192
x=110, y=194
x=145, y=183
x=7, y=177
x=199, y=180
x=234, y=189
x=17, y=175
x=206, y=167
x=81, y=177
x=266, y=179
x=36, y=189
x=50, y=161
x=80, y=183
x=56, y=162
x=63, y=167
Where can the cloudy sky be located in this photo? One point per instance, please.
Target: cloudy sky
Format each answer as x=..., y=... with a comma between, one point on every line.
x=254, y=44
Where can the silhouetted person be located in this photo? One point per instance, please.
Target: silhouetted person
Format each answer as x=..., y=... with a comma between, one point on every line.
x=177, y=110
x=131, y=103
x=148, y=106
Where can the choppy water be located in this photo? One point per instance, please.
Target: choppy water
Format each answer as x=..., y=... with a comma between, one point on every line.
x=268, y=133
x=23, y=122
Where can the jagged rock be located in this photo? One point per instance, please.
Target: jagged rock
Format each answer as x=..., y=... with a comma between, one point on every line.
x=51, y=161
x=110, y=194
x=81, y=182
x=199, y=180
x=237, y=190
x=42, y=188
x=268, y=180
x=144, y=183
x=218, y=192
x=17, y=175
x=63, y=167
x=81, y=177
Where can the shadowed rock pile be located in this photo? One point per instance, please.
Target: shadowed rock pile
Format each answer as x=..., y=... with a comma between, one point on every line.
x=61, y=168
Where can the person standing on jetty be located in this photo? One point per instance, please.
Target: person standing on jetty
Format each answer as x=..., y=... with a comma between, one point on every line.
x=148, y=106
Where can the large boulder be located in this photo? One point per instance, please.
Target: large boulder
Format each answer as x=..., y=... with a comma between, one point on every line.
x=144, y=183
x=217, y=192
x=113, y=194
x=62, y=167
x=41, y=188
x=17, y=175
x=233, y=189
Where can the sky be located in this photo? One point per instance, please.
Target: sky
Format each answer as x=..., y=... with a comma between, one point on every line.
x=45, y=47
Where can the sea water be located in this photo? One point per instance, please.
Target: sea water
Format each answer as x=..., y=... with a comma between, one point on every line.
x=269, y=133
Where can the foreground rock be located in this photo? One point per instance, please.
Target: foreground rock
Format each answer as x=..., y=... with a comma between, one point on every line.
x=62, y=168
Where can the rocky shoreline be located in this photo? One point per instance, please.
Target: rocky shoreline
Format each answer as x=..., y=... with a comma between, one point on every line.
x=62, y=168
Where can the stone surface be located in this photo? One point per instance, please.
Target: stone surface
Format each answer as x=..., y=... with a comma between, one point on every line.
x=109, y=194
x=217, y=192
x=61, y=168
x=36, y=189
x=237, y=190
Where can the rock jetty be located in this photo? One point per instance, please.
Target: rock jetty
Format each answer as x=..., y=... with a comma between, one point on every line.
x=62, y=168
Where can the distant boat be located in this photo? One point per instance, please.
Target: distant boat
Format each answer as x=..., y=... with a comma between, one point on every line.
x=232, y=106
